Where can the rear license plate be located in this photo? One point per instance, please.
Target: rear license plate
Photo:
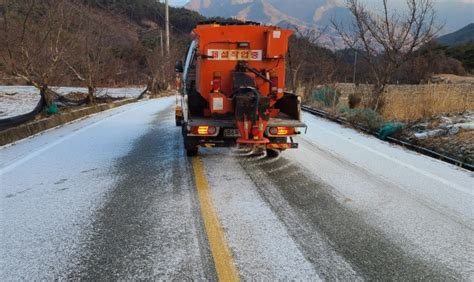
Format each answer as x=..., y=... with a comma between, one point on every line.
x=231, y=132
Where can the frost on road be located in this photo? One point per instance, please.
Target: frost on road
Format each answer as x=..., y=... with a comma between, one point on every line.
x=113, y=197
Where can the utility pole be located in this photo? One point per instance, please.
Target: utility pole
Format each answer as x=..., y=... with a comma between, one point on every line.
x=355, y=67
x=167, y=20
x=161, y=43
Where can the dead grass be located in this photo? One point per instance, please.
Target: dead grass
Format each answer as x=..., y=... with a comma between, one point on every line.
x=466, y=135
x=413, y=102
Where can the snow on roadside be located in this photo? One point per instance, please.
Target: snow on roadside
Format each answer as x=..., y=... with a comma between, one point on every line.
x=129, y=92
x=52, y=185
x=18, y=100
x=425, y=206
x=17, y=103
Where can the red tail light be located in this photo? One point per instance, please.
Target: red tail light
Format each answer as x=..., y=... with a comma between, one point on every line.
x=216, y=82
x=203, y=130
x=211, y=130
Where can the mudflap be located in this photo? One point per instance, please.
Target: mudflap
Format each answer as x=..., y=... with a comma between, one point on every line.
x=178, y=116
x=251, y=115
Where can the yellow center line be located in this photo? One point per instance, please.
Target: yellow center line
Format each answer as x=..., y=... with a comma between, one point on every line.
x=223, y=260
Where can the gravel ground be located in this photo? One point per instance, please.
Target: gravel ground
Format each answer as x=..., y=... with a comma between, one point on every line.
x=449, y=134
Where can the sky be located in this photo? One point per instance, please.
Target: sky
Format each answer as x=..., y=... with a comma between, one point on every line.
x=182, y=2
x=452, y=14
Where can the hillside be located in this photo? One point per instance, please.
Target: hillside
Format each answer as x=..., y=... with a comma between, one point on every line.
x=182, y=20
x=459, y=37
x=128, y=32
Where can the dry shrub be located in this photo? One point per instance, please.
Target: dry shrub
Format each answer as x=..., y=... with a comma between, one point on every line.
x=407, y=103
x=354, y=101
x=354, y=96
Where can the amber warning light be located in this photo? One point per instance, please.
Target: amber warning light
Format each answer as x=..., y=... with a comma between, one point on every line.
x=203, y=130
x=281, y=131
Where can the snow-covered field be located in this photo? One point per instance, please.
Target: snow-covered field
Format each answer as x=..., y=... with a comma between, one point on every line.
x=18, y=100
x=17, y=103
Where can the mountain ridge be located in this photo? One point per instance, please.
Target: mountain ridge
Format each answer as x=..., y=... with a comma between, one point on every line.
x=459, y=37
x=301, y=13
x=318, y=13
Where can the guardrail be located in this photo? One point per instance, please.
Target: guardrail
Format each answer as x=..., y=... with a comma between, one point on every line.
x=404, y=143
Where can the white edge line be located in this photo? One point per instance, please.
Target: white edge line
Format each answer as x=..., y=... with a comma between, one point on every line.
x=30, y=156
x=425, y=173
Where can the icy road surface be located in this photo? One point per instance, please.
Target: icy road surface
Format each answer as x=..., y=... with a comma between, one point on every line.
x=114, y=197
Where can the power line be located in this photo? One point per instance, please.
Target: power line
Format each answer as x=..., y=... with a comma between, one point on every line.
x=156, y=10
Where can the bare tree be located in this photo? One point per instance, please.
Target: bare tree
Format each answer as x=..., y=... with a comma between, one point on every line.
x=160, y=65
x=89, y=57
x=333, y=64
x=34, y=41
x=157, y=75
x=303, y=55
x=314, y=60
x=388, y=38
x=157, y=61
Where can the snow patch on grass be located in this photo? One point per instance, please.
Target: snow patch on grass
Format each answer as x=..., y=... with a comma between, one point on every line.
x=19, y=100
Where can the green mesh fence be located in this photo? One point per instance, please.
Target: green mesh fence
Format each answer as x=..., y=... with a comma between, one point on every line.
x=390, y=129
x=52, y=109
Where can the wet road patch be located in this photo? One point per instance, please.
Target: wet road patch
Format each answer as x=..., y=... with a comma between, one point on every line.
x=149, y=226
x=327, y=230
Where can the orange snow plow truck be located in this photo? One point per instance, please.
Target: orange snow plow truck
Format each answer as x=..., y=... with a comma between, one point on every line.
x=232, y=89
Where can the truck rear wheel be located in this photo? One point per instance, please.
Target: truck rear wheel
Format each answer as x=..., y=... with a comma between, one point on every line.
x=190, y=146
x=192, y=152
x=273, y=153
x=178, y=121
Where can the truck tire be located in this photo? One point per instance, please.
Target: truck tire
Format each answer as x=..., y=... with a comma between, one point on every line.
x=191, y=149
x=190, y=146
x=273, y=153
x=192, y=152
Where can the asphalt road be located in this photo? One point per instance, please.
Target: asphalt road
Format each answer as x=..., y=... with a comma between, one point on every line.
x=114, y=197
